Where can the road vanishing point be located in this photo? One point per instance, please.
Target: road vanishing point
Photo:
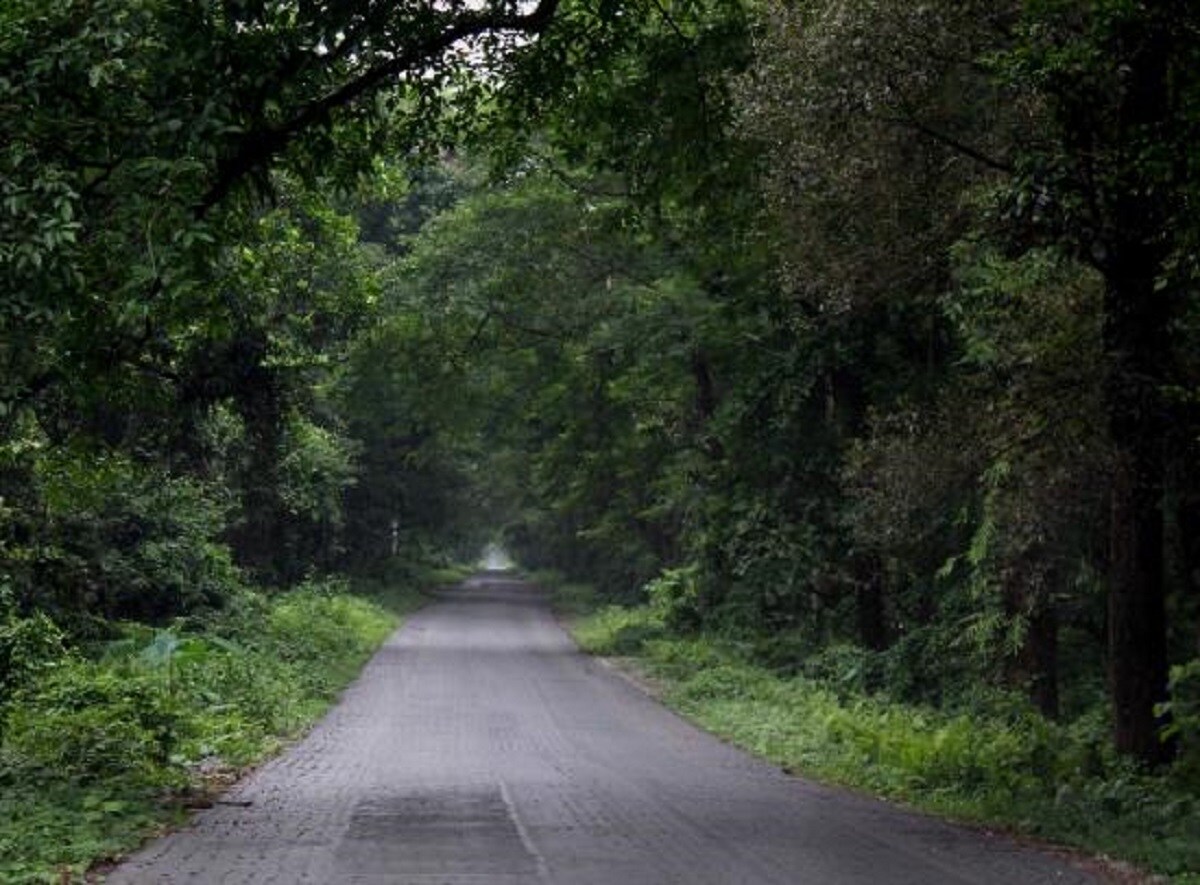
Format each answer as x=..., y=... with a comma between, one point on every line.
x=479, y=747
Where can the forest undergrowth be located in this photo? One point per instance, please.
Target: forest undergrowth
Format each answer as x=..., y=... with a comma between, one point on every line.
x=991, y=760
x=103, y=744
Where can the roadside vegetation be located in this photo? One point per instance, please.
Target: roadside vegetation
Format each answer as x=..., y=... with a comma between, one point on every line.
x=106, y=742
x=987, y=757
x=858, y=339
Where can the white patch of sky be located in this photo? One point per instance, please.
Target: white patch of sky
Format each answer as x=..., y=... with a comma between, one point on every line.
x=494, y=559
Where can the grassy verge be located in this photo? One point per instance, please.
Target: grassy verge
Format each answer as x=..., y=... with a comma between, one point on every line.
x=446, y=575
x=1005, y=766
x=100, y=749
x=571, y=601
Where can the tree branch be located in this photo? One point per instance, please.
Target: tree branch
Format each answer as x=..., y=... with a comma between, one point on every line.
x=951, y=142
x=257, y=149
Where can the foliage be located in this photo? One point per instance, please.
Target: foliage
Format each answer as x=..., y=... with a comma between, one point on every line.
x=61, y=824
x=93, y=741
x=87, y=723
x=1001, y=763
x=615, y=630
x=169, y=246
x=117, y=538
x=571, y=600
x=1107, y=179
x=475, y=364
x=675, y=596
x=27, y=646
x=1184, y=707
x=859, y=335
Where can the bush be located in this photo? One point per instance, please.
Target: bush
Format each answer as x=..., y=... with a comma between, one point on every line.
x=92, y=743
x=27, y=646
x=785, y=651
x=1184, y=708
x=618, y=631
x=574, y=600
x=676, y=599
x=87, y=722
x=320, y=623
x=848, y=669
x=120, y=539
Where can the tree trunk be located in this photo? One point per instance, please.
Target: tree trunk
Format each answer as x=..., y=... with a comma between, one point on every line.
x=257, y=542
x=1034, y=668
x=1041, y=650
x=1136, y=340
x=1181, y=524
x=872, y=616
x=1136, y=610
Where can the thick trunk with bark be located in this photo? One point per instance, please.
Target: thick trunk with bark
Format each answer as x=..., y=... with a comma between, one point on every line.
x=1136, y=612
x=1136, y=341
x=1139, y=228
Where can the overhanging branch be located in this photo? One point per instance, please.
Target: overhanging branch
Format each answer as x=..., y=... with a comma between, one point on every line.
x=951, y=142
x=257, y=149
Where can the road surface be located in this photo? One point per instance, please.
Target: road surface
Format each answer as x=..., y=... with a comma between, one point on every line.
x=479, y=748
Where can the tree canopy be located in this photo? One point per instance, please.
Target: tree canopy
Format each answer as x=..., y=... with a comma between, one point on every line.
x=835, y=323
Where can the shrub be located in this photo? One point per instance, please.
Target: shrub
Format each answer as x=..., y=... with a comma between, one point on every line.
x=121, y=539
x=320, y=623
x=27, y=646
x=87, y=722
x=675, y=598
x=849, y=669
x=616, y=630
x=1184, y=708
x=574, y=600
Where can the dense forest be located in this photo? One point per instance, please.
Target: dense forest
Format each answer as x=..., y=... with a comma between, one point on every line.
x=861, y=334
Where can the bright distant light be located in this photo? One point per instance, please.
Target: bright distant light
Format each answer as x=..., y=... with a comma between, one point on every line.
x=495, y=559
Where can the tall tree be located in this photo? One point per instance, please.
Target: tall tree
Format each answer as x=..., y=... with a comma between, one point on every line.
x=1114, y=179
x=145, y=281
x=131, y=125
x=872, y=128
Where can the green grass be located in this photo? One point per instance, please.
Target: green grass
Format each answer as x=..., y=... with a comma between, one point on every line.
x=1007, y=767
x=569, y=600
x=106, y=748
x=441, y=576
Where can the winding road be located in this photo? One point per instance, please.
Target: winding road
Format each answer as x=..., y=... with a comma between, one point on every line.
x=479, y=748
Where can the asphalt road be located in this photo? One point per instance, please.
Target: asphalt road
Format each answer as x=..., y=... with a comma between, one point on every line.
x=479, y=748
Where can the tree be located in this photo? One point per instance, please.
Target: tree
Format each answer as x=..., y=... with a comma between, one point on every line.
x=1112, y=180
x=131, y=125
x=872, y=127
x=1060, y=124
x=144, y=281
x=561, y=336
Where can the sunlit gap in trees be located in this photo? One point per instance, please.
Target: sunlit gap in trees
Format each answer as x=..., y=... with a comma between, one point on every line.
x=495, y=559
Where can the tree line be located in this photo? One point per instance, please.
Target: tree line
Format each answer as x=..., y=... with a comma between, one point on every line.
x=840, y=324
